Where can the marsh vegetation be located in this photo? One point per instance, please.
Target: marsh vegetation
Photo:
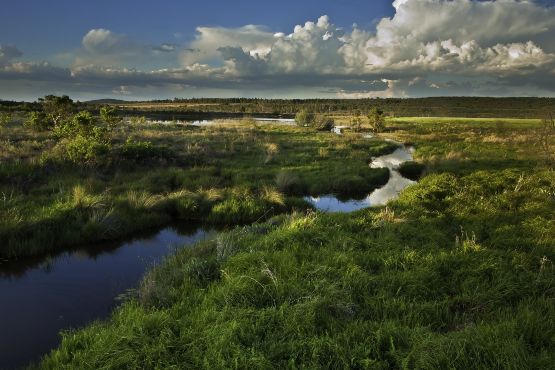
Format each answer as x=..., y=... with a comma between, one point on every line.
x=456, y=273
x=88, y=179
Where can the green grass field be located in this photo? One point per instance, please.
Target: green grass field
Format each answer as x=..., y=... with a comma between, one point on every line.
x=456, y=274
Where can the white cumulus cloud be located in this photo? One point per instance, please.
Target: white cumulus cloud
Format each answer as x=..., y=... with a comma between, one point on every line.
x=428, y=47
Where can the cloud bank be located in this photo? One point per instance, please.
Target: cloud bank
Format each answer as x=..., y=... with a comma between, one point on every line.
x=427, y=48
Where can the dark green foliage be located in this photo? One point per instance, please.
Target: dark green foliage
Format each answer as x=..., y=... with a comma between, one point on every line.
x=411, y=170
x=56, y=108
x=377, y=119
x=485, y=107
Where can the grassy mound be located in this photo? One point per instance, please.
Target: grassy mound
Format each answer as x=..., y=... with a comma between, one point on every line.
x=411, y=170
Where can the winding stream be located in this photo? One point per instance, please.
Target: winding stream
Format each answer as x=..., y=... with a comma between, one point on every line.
x=39, y=298
x=378, y=197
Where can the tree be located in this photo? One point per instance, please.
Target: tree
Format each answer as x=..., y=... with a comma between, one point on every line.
x=304, y=118
x=56, y=108
x=356, y=120
x=377, y=119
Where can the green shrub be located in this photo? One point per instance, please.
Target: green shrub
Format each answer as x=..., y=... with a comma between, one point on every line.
x=411, y=170
x=84, y=140
x=82, y=123
x=5, y=118
x=304, y=118
x=37, y=121
x=109, y=115
x=83, y=149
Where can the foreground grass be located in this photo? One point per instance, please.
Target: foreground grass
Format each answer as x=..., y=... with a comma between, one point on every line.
x=226, y=174
x=456, y=274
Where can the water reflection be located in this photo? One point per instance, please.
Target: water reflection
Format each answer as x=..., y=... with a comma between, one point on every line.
x=210, y=122
x=379, y=197
x=393, y=160
x=39, y=298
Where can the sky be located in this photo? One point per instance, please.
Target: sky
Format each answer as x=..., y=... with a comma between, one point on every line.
x=136, y=50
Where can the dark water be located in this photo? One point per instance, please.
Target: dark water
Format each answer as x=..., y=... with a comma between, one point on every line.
x=38, y=298
x=379, y=197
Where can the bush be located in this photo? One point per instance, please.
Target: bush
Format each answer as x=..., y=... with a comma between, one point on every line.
x=37, y=121
x=138, y=120
x=81, y=124
x=83, y=149
x=304, y=118
x=5, y=118
x=109, y=115
x=85, y=140
x=411, y=170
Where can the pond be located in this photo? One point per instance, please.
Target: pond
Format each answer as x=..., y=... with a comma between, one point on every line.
x=43, y=296
x=378, y=197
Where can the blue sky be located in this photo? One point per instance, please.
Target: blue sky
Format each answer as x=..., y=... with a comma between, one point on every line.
x=60, y=24
x=328, y=48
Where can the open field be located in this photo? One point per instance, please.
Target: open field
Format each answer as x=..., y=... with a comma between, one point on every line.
x=457, y=273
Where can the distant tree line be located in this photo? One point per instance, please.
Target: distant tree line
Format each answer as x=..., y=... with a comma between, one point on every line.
x=420, y=107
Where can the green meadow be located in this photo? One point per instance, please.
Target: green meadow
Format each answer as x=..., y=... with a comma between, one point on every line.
x=151, y=175
x=457, y=273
